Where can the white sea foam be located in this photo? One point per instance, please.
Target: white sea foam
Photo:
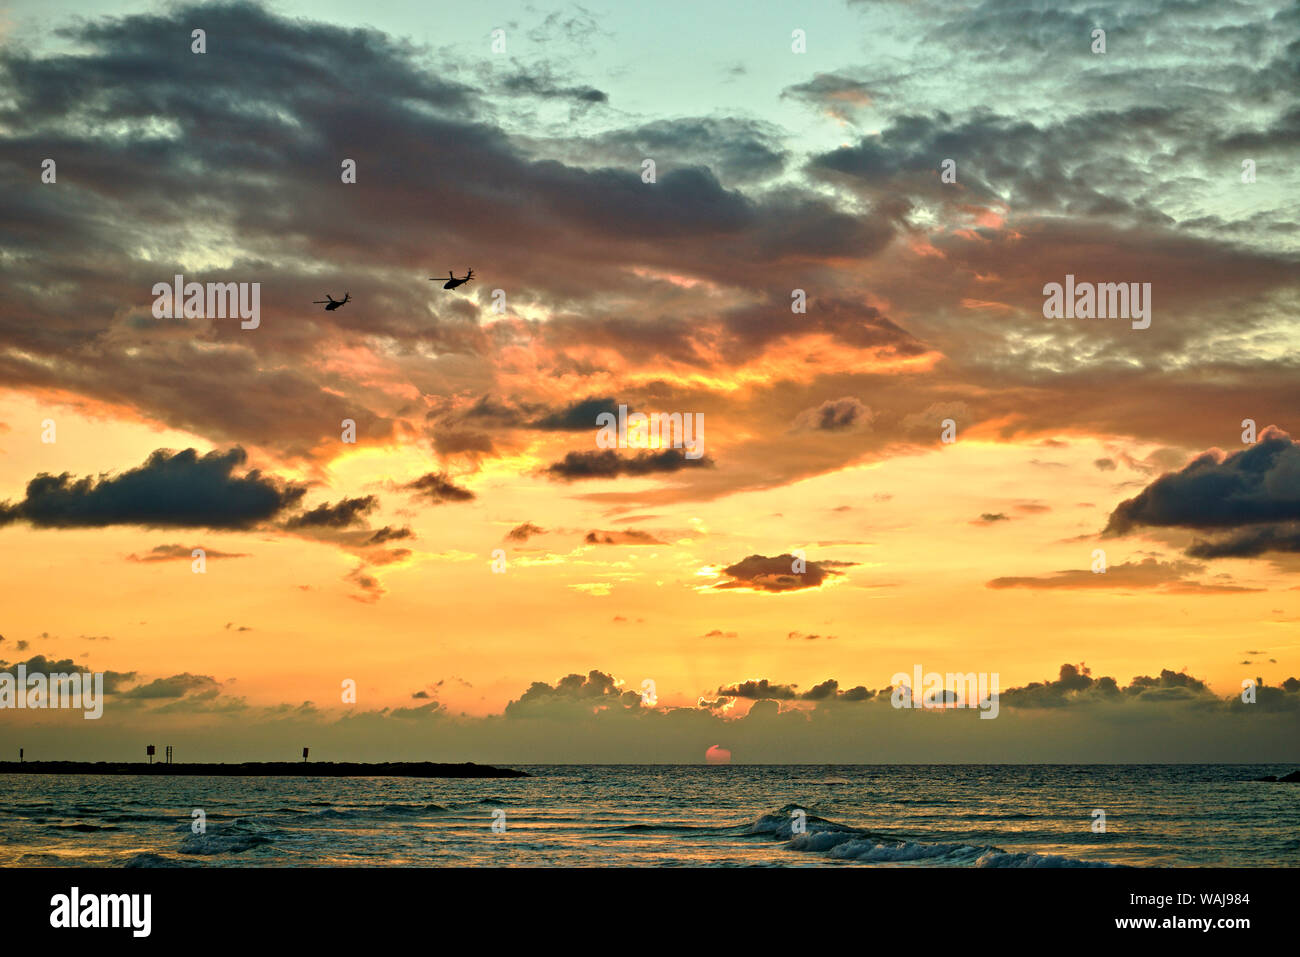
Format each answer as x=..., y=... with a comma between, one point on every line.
x=996, y=858
x=841, y=842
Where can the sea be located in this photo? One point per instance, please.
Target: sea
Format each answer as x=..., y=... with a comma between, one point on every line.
x=1162, y=815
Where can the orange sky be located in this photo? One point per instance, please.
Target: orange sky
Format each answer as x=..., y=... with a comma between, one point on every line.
x=917, y=592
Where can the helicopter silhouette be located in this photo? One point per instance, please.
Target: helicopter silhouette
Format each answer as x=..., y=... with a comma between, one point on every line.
x=452, y=282
x=333, y=303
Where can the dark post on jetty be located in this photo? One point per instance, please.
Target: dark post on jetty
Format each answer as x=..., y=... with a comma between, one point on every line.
x=149, y=750
x=304, y=755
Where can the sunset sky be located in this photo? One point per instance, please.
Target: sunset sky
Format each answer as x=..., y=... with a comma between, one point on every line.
x=476, y=428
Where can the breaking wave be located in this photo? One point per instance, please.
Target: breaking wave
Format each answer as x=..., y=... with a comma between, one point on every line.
x=840, y=842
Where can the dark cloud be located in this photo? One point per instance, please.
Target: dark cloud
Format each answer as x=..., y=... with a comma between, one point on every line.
x=1282, y=698
x=760, y=690
x=1252, y=495
x=177, y=686
x=776, y=574
x=905, y=157
x=629, y=536
x=433, y=709
x=1261, y=483
x=1076, y=686
x=837, y=415
x=1150, y=573
x=1073, y=681
x=176, y=553
x=343, y=514
x=389, y=534
x=178, y=489
x=543, y=84
x=369, y=588
x=578, y=417
x=764, y=690
x=496, y=411
x=114, y=681
x=857, y=693
x=836, y=94
x=1250, y=543
x=570, y=693
x=606, y=463
x=438, y=488
x=735, y=149
x=521, y=533
x=1169, y=686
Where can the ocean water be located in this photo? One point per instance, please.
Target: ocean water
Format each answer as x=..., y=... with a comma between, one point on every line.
x=857, y=815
